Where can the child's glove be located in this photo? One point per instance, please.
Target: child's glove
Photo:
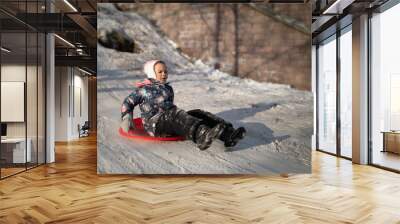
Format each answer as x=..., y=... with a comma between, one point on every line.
x=127, y=122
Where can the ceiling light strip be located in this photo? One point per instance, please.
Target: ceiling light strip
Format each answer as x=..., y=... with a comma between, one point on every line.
x=65, y=41
x=337, y=7
x=86, y=72
x=70, y=5
x=5, y=49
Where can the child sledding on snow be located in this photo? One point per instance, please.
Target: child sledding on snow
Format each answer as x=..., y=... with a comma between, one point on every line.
x=161, y=117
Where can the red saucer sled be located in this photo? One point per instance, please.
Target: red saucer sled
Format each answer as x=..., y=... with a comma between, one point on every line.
x=140, y=133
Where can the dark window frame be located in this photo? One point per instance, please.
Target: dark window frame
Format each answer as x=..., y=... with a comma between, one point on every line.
x=342, y=26
x=387, y=5
x=29, y=29
x=381, y=9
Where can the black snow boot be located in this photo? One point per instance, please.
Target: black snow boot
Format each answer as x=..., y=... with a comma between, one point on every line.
x=205, y=135
x=231, y=136
x=177, y=122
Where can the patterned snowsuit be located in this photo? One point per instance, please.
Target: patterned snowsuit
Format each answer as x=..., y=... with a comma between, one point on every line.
x=159, y=114
x=161, y=117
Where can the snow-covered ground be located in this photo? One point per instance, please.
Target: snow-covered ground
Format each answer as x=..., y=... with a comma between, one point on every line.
x=278, y=119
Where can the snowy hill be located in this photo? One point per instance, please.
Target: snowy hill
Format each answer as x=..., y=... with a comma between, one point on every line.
x=278, y=119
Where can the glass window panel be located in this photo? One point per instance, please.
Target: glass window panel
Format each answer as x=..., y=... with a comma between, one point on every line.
x=31, y=97
x=327, y=96
x=14, y=153
x=22, y=61
x=41, y=99
x=385, y=93
x=346, y=94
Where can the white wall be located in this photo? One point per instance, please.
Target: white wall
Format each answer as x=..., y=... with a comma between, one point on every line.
x=12, y=101
x=79, y=110
x=62, y=81
x=33, y=126
x=81, y=82
x=12, y=73
x=70, y=83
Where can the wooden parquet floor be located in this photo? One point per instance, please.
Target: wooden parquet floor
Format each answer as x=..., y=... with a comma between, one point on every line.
x=70, y=191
